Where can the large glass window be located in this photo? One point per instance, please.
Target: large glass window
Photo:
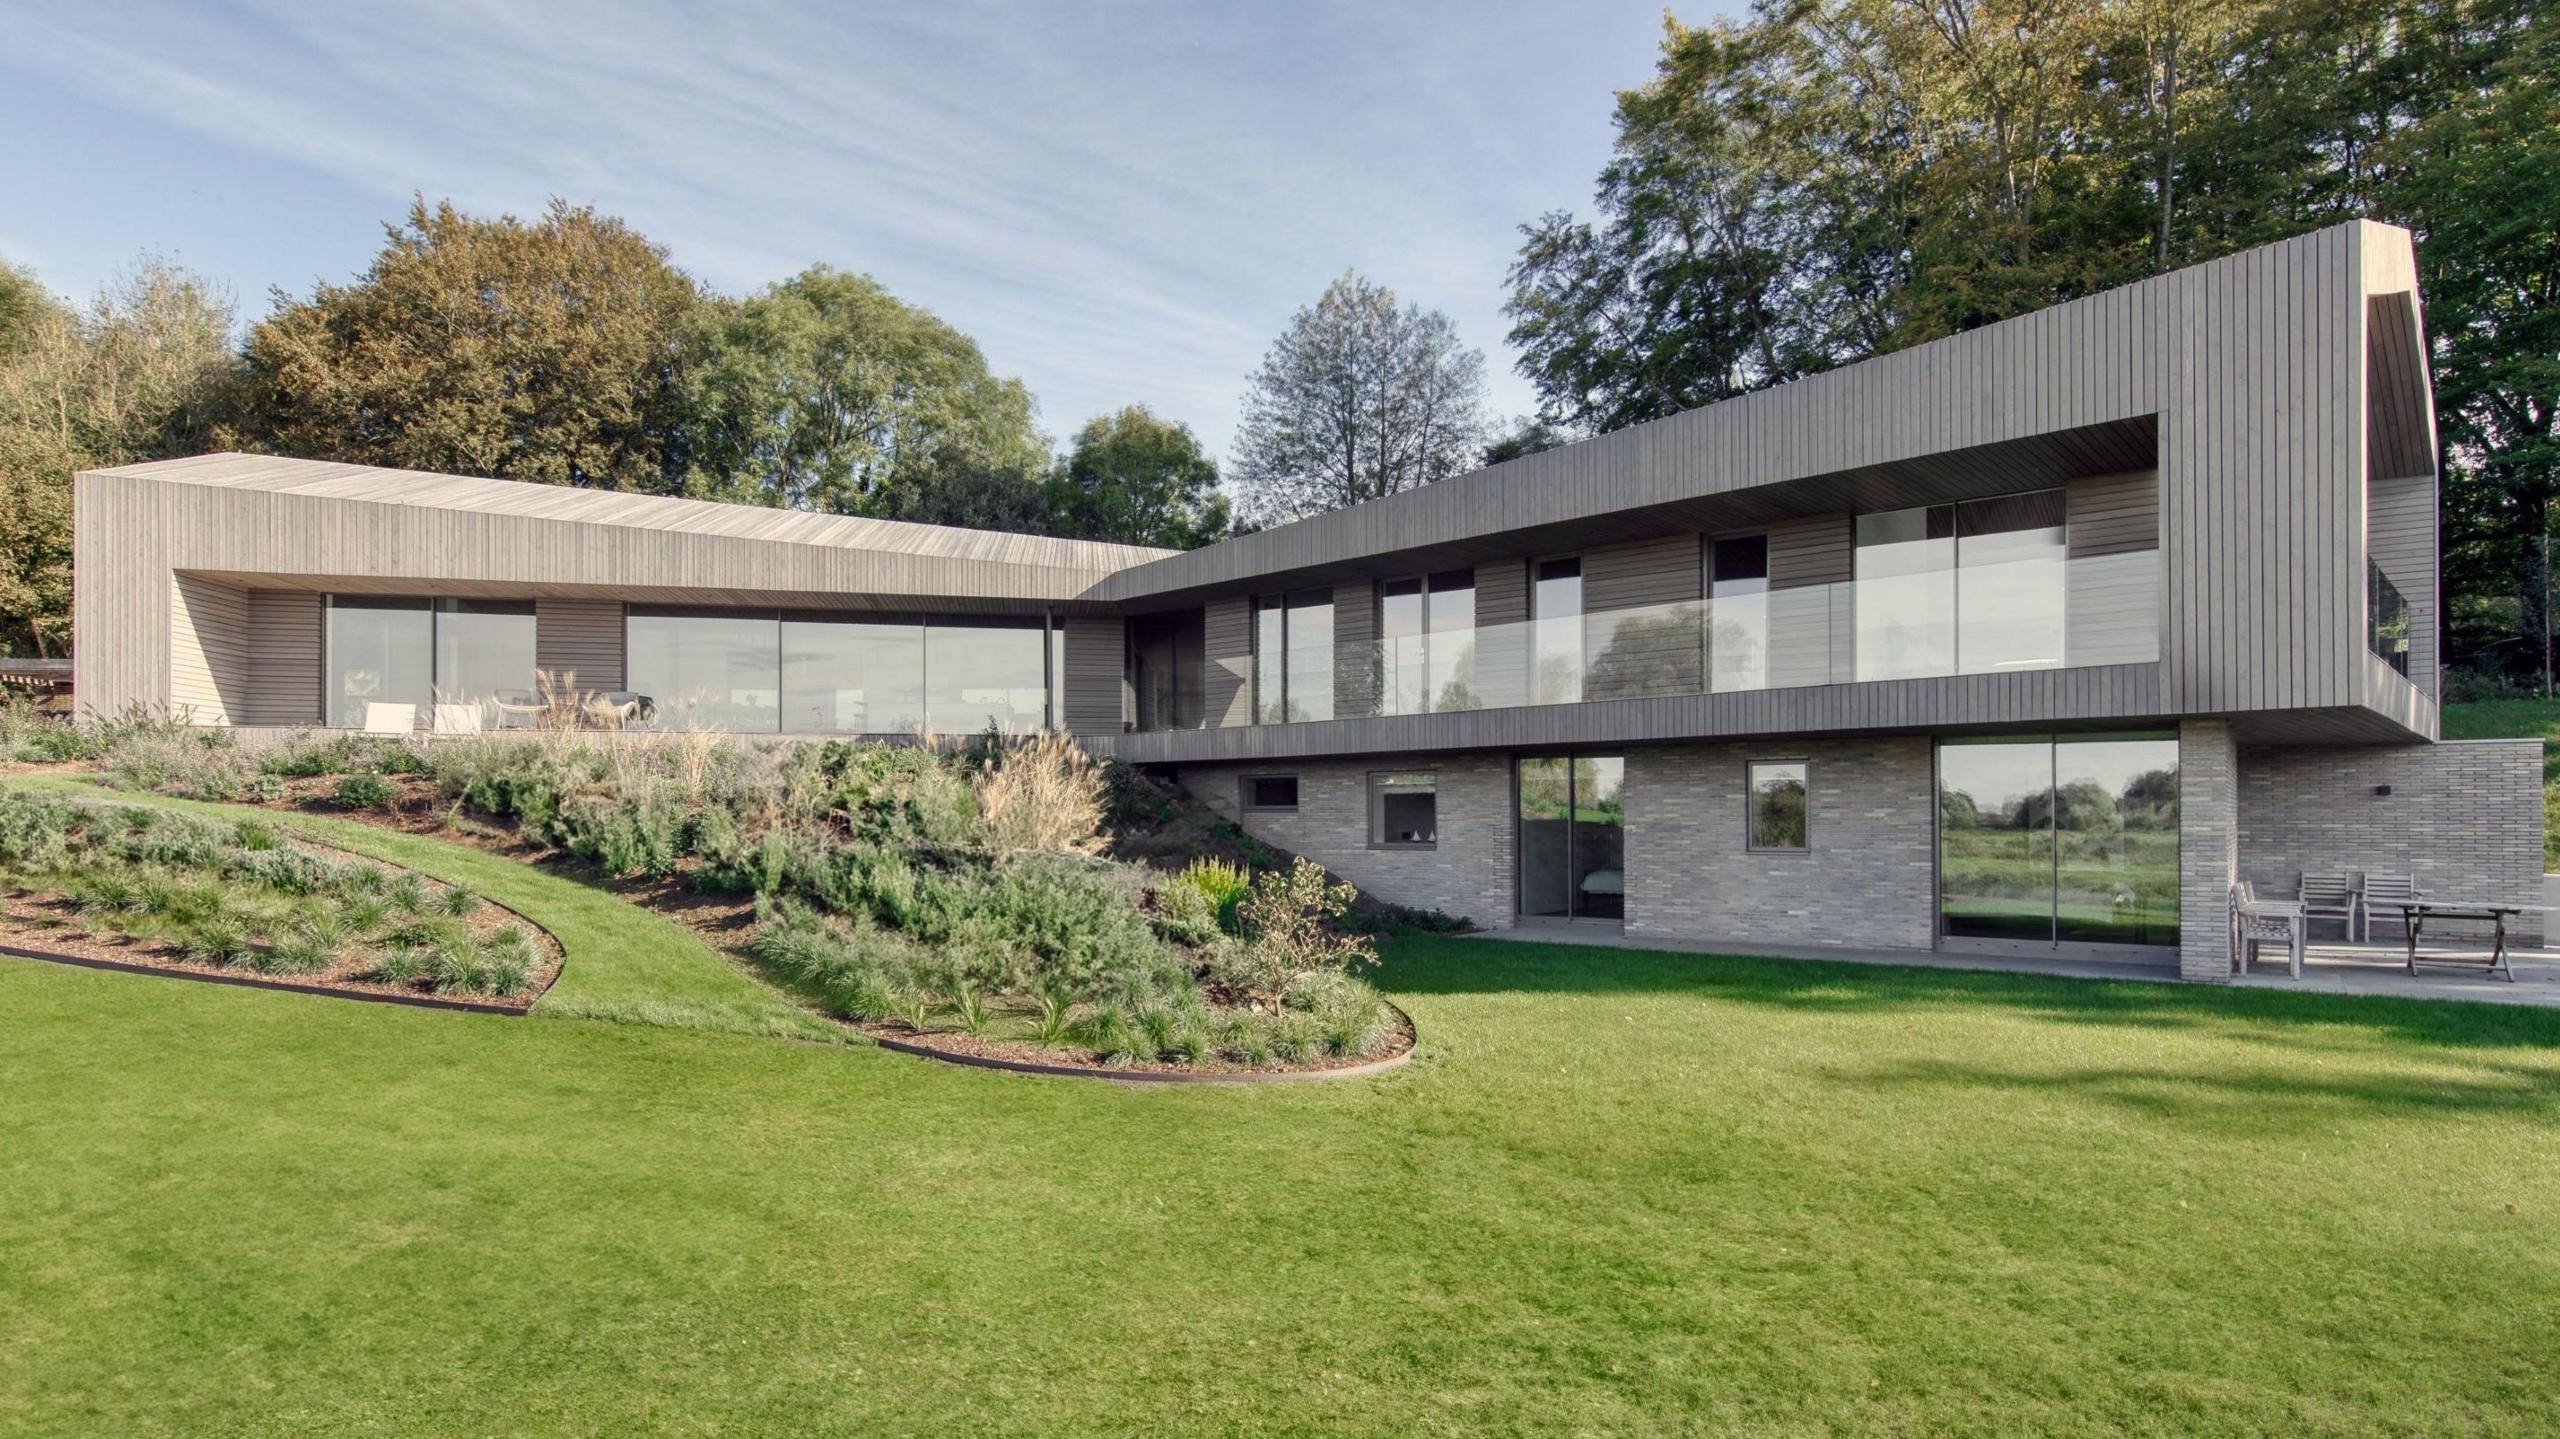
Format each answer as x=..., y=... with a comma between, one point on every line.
x=1906, y=567
x=2069, y=842
x=1738, y=613
x=706, y=669
x=1427, y=643
x=2010, y=559
x=1293, y=657
x=1555, y=608
x=852, y=676
x=1572, y=836
x=981, y=673
x=484, y=648
x=381, y=651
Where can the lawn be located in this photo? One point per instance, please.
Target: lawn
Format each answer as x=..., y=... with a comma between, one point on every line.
x=1619, y=1192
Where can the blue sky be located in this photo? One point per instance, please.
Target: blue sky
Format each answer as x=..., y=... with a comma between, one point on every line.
x=1121, y=202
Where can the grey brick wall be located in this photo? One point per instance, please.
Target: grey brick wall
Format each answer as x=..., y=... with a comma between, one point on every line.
x=2208, y=839
x=1468, y=873
x=1867, y=878
x=2464, y=818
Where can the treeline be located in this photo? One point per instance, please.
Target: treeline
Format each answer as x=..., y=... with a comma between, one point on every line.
x=1826, y=180
x=564, y=350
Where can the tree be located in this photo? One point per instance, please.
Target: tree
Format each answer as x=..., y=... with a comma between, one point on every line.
x=827, y=392
x=1139, y=480
x=147, y=371
x=543, y=351
x=1359, y=397
x=1528, y=435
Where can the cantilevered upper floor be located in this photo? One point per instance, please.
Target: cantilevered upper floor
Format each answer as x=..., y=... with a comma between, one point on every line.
x=2212, y=492
x=2209, y=493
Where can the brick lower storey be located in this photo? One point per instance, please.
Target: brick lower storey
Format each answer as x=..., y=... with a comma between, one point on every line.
x=2465, y=818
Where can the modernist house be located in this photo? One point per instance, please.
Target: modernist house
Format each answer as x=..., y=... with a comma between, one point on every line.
x=2030, y=640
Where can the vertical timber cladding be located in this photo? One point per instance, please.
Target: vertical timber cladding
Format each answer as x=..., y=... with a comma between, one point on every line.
x=1355, y=649
x=1226, y=643
x=1502, y=632
x=579, y=644
x=1097, y=679
x=1804, y=554
x=2111, y=613
x=208, y=649
x=2261, y=472
x=284, y=659
x=1636, y=654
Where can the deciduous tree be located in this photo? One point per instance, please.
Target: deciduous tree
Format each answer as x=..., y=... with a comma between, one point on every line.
x=1138, y=479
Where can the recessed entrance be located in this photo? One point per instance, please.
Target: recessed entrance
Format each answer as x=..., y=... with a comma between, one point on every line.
x=1573, y=828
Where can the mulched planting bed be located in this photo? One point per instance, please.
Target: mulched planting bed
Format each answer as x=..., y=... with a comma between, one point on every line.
x=51, y=923
x=966, y=1047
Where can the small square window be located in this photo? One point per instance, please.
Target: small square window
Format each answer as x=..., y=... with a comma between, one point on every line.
x=1404, y=811
x=1777, y=798
x=1270, y=791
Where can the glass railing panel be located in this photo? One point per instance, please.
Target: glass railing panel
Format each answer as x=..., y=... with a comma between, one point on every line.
x=1842, y=633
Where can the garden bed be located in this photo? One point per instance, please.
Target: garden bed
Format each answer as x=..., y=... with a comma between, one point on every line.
x=1032, y=1057
x=132, y=887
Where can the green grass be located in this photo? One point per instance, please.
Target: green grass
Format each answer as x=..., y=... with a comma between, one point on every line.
x=2520, y=719
x=1619, y=1193
x=621, y=962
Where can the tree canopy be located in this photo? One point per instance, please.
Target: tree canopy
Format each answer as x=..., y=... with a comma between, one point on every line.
x=827, y=392
x=543, y=351
x=1359, y=397
x=1139, y=479
x=1825, y=180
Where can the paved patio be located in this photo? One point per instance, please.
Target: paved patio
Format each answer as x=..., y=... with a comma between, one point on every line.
x=2373, y=969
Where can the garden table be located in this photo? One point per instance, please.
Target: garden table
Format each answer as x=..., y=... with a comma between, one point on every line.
x=2414, y=914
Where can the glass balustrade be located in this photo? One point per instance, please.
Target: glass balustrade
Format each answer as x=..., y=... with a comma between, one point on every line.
x=2097, y=610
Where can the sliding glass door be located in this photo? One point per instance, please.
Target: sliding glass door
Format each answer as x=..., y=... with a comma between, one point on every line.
x=2059, y=842
x=1572, y=835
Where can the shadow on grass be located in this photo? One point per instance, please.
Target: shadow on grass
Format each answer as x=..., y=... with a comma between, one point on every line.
x=1428, y=966
x=2262, y=1098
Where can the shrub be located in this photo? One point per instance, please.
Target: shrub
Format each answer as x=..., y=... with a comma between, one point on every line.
x=363, y=791
x=36, y=830
x=178, y=760
x=151, y=836
x=1037, y=795
x=1185, y=915
x=407, y=894
x=220, y=941
x=1287, y=918
x=458, y=904
x=624, y=833
x=401, y=966
x=307, y=948
x=290, y=871
x=305, y=754
x=1222, y=884
x=365, y=913
x=856, y=970
x=507, y=962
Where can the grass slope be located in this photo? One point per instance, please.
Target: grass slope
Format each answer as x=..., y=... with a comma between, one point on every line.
x=1620, y=1192
x=623, y=963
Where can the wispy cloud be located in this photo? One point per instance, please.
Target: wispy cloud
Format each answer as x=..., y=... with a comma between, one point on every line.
x=1121, y=202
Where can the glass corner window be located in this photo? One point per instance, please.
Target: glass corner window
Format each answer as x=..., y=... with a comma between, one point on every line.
x=1404, y=810
x=1778, y=791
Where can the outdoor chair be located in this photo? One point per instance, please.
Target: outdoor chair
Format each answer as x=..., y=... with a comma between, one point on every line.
x=2384, y=893
x=518, y=709
x=2329, y=896
x=2256, y=921
x=383, y=718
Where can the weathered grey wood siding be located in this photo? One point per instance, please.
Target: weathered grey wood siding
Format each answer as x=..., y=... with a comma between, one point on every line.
x=1502, y=632
x=579, y=644
x=2111, y=602
x=1355, y=648
x=1227, y=650
x=1651, y=651
x=1806, y=631
x=284, y=659
x=1097, y=678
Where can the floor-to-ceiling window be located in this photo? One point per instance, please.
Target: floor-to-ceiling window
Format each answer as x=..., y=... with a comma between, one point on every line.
x=1293, y=657
x=1572, y=836
x=758, y=671
x=1555, y=613
x=1426, y=640
x=1906, y=594
x=2059, y=842
x=381, y=650
x=406, y=650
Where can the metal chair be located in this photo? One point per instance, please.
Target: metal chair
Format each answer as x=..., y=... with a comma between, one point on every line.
x=2256, y=921
x=2329, y=896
